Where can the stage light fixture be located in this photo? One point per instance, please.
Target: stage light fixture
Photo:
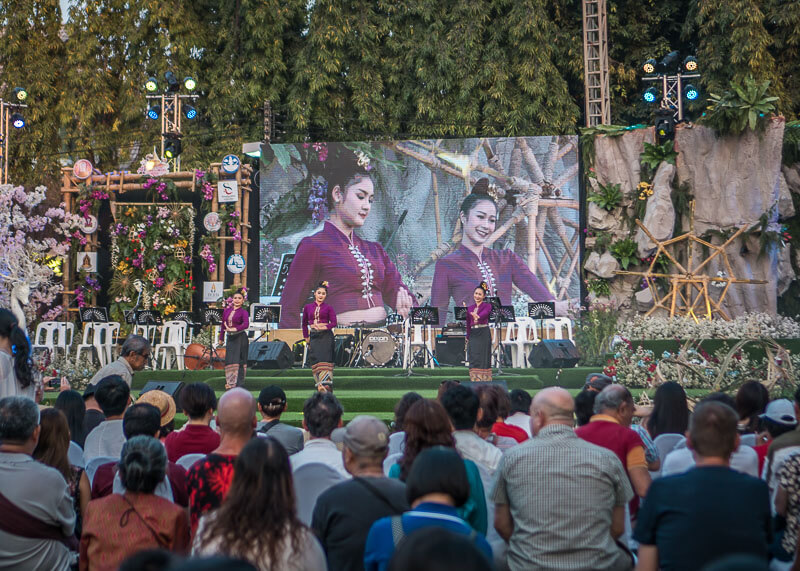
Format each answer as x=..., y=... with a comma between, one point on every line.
x=20, y=93
x=189, y=83
x=154, y=112
x=665, y=125
x=650, y=95
x=172, y=82
x=17, y=120
x=173, y=148
x=189, y=112
x=151, y=84
x=649, y=66
x=668, y=60
x=690, y=63
x=690, y=92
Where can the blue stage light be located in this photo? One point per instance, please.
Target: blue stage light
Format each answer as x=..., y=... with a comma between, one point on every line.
x=690, y=92
x=154, y=112
x=17, y=120
x=189, y=112
x=650, y=95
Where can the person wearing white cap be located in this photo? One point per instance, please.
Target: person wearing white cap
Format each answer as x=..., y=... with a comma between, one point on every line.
x=779, y=418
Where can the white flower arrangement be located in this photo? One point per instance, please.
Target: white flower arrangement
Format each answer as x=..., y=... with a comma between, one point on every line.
x=759, y=325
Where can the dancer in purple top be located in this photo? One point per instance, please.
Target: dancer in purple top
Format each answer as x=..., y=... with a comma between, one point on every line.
x=479, y=337
x=235, y=322
x=473, y=262
x=363, y=279
x=320, y=319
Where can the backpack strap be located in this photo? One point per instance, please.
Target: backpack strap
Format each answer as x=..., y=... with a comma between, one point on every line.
x=397, y=530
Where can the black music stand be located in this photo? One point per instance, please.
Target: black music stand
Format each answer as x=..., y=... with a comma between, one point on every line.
x=93, y=314
x=424, y=316
x=268, y=314
x=460, y=312
x=211, y=316
x=148, y=317
x=499, y=316
x=539, y=311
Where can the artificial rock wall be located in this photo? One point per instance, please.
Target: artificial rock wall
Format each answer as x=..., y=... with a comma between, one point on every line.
x=734, y=180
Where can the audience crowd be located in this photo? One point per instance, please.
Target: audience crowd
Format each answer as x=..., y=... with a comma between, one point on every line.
x=478, y=478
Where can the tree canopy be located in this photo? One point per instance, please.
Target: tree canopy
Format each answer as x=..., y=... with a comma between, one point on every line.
x=356, y=69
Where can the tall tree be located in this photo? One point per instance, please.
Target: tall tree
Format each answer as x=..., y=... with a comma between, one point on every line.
x=783, y=23
x=32, y=56
x=524, y=91
x=733, y=43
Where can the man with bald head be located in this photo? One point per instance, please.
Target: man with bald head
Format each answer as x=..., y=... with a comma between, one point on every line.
x=559, y=500
x=610, y=427
x=208, y=479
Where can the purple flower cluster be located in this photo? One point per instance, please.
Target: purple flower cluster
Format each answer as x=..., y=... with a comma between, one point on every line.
x=317, y=200
x=208, y=191
x=119, y=230
x=208, y=256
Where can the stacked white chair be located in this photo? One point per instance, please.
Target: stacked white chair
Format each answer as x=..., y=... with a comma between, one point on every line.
x=172, y=345
x=93, y=341
x=417, y=336
x=521, y=337
x=53, y=335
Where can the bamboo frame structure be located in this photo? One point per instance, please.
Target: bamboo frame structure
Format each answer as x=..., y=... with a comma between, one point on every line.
x=688, y=294
x=117, y=184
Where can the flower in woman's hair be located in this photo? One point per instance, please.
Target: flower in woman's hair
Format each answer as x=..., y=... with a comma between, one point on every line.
x=363, y=160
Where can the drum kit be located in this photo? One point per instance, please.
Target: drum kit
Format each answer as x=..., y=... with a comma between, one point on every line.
x=380, y=346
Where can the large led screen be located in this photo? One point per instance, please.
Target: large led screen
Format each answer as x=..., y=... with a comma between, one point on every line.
x=391, y=225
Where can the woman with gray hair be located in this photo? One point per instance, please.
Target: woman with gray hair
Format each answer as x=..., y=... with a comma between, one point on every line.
x=120, y=525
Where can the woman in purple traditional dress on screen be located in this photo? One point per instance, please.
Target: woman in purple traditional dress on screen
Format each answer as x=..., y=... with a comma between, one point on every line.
x=319, y=319
x=473, y=262
x=362, y=277
x=479, y=338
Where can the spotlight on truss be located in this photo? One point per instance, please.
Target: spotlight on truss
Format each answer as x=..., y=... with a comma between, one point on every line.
x=650, y=95
x=17, y=120
x=189, y=83
x=189, y=112
x=154, y=112
x=173, y=148
x=649, y=66
x=690, y=92
x=172, y=82
x=20, y=93
x=690, y=63
x=151, y=85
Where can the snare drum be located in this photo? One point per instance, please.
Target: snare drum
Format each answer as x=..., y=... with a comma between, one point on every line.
x=378, y=347
x=394, y=323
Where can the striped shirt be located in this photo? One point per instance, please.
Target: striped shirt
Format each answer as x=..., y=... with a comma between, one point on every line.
x=561, y=491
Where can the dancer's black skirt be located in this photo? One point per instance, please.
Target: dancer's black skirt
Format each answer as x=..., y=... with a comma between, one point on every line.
x=320, y=347
x=236, y=348
x=479, y=348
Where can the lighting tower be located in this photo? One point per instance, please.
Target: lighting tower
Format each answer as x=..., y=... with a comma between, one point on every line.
x=10, y=118
x=171, y=106
x=673, y=86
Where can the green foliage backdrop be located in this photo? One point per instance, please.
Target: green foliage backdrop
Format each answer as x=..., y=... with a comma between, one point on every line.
x=340, y=70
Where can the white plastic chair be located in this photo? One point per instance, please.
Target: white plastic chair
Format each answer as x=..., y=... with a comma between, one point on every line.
x=417, y=336
x=163, y=488
x=554, y=328
x=75, y=455
x=108, y=333
x=523, y=339
x=91, y=342
x=53, y=335
x=390, y=461
x=310, y=481
x=149, y=332
x=93, y=464
x=172, y=343
x=188, y=460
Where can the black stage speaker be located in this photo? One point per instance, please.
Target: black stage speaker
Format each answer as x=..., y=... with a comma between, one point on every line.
x=554, y=354
x=343, y=345
x=450, y=351
x=269, y=355
x=172, y=388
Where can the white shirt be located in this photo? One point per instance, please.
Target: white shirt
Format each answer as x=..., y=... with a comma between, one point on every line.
x=520, y=420
x=320, y=450
x=106, y=440
x=473, y=447
x=744, y=459
x=9, y=387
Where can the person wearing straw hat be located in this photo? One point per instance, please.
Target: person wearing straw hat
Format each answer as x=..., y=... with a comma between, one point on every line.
x=165, y=405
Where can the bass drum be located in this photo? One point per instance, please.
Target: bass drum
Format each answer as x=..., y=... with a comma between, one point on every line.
x=378, y=347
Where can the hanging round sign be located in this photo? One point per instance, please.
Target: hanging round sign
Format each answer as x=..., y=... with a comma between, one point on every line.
x=88, y=224
x=230, y=164
x=235, y=263
x=212, y=222
x=82, y=169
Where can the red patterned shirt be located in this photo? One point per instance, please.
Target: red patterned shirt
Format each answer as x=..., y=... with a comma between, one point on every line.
x=208, y=481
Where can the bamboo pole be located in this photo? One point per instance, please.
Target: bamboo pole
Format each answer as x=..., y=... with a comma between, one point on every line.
x=436, y=211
